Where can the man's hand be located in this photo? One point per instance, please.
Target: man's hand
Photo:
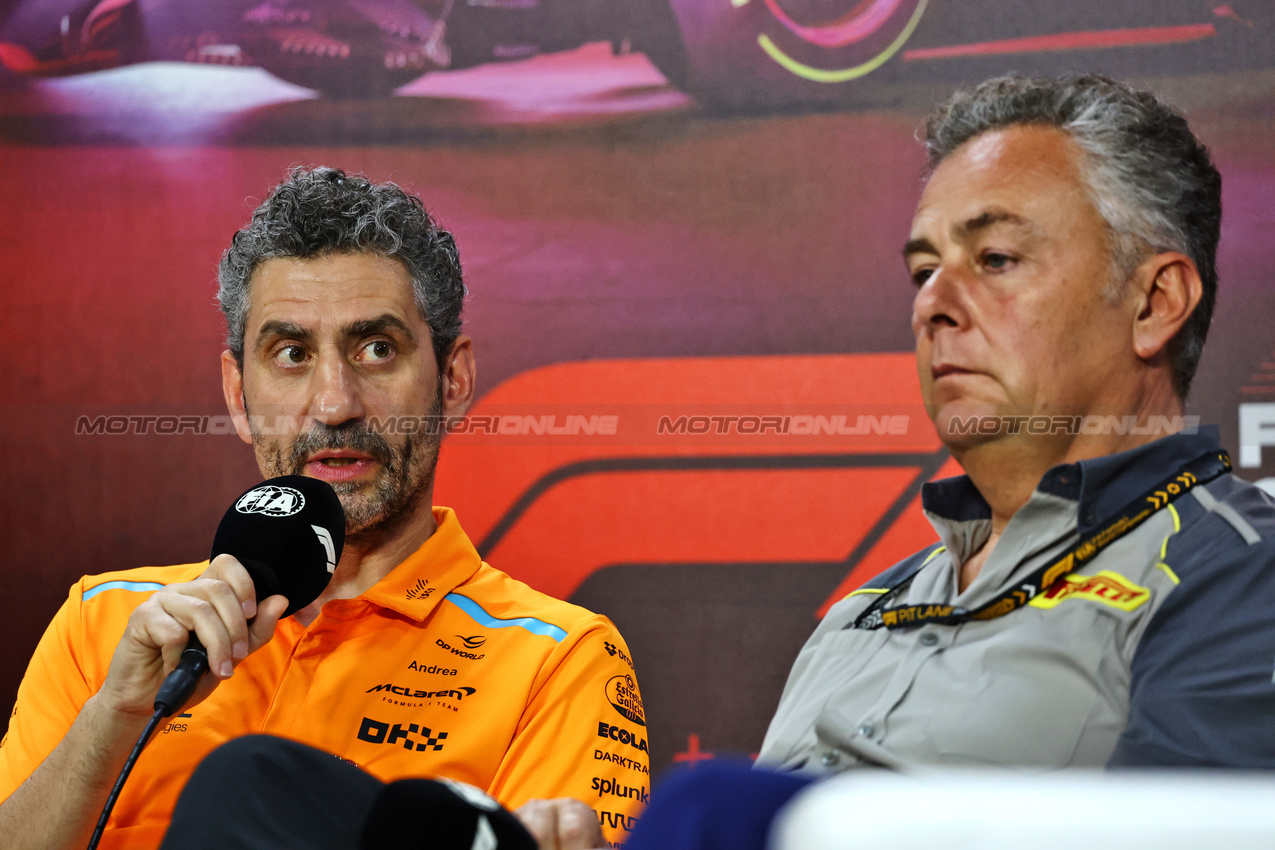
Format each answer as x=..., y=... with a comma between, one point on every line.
x=562, y=824
x=216, y=607
x=56, y=807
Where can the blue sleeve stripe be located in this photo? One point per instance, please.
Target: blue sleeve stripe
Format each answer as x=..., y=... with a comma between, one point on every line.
x=531, y=624
x=138, y=586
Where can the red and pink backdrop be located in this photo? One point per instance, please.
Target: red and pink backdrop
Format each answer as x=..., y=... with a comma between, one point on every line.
x=680, y=223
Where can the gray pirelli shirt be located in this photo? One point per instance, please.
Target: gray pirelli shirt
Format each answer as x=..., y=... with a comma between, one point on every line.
x=1159, y=651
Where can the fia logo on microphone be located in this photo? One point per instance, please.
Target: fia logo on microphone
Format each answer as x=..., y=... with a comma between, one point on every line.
x=271, y=500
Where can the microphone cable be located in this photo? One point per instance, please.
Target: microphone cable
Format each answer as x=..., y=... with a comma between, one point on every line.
x=161, y=711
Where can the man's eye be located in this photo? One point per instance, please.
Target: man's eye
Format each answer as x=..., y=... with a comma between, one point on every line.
x=378, y=351
x=997, y=262
x=291, y=355
x=920, y=276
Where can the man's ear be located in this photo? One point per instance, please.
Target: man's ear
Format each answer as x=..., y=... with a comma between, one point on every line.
x=1169, y=288
x=232, y=389
x=459, y=377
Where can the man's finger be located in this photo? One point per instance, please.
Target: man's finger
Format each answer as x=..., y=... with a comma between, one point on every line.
x=540, y=817
x=261, y=629
x=225, y=567
x=578, y=827
x=199, y=616
x=229, y=608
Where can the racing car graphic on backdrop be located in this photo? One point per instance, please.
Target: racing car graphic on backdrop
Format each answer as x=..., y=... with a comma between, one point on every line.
x=752, y=54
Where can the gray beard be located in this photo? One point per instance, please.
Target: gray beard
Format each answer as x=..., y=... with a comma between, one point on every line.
x=373, y=511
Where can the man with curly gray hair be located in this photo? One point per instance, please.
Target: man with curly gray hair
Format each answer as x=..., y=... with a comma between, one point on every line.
x=342, y=300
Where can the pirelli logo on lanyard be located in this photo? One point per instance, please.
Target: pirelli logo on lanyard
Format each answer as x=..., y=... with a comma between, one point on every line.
x=1052, y=581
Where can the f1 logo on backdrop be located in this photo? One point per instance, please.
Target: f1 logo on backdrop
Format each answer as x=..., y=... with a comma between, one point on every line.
x=801, y=458
x=735, y=500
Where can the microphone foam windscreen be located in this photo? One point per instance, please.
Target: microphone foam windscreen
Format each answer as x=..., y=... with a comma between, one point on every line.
x=288, y=533
x=428, y=814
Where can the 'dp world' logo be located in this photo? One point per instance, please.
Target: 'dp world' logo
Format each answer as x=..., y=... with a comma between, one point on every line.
x=621, y=692
x=271, y=500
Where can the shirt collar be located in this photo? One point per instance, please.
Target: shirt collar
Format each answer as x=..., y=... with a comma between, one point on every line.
x=446, y=560
x=1101, y=485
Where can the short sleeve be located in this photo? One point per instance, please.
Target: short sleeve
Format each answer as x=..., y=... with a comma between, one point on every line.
x=583, y=734
x=53, y=691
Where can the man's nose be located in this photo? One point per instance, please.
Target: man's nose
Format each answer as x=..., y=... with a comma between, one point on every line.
x=941, y=301
x=336, y=397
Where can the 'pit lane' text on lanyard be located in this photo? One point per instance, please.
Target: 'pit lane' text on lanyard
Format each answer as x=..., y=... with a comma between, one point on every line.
x=1199, y=471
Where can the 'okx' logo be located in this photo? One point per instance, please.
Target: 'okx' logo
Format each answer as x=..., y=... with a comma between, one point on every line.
x=376, y=732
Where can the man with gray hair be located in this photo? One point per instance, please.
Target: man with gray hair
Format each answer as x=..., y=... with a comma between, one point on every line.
x=343, y=301
x=1102, y=586
x=1102, y=590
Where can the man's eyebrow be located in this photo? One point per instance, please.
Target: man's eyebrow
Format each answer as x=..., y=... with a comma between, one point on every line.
x=276, y=328
x=381, y=324
x=970, y=227
x=991, y=218
x=918, y=245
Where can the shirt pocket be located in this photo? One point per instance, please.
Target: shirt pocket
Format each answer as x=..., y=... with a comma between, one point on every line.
x=1023, y=695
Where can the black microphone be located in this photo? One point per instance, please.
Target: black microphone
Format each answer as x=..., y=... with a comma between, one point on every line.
x=288, y=533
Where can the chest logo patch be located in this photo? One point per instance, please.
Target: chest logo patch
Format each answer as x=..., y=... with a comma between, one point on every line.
x=1106, y=587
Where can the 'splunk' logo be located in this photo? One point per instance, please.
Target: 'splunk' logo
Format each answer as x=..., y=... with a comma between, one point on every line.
x=473, y=641
x=621, y=692
x=271, y=500
x=615, y=789
x=376, y=732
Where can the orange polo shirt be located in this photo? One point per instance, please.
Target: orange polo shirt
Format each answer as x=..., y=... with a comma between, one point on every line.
x=446, y=667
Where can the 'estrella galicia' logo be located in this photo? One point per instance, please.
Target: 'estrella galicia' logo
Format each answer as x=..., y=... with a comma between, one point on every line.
x=621, y=692
x=271, y=500
x=472, y=642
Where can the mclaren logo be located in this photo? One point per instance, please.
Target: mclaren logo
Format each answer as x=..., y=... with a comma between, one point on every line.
x=271, y=500
x=457, y=693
